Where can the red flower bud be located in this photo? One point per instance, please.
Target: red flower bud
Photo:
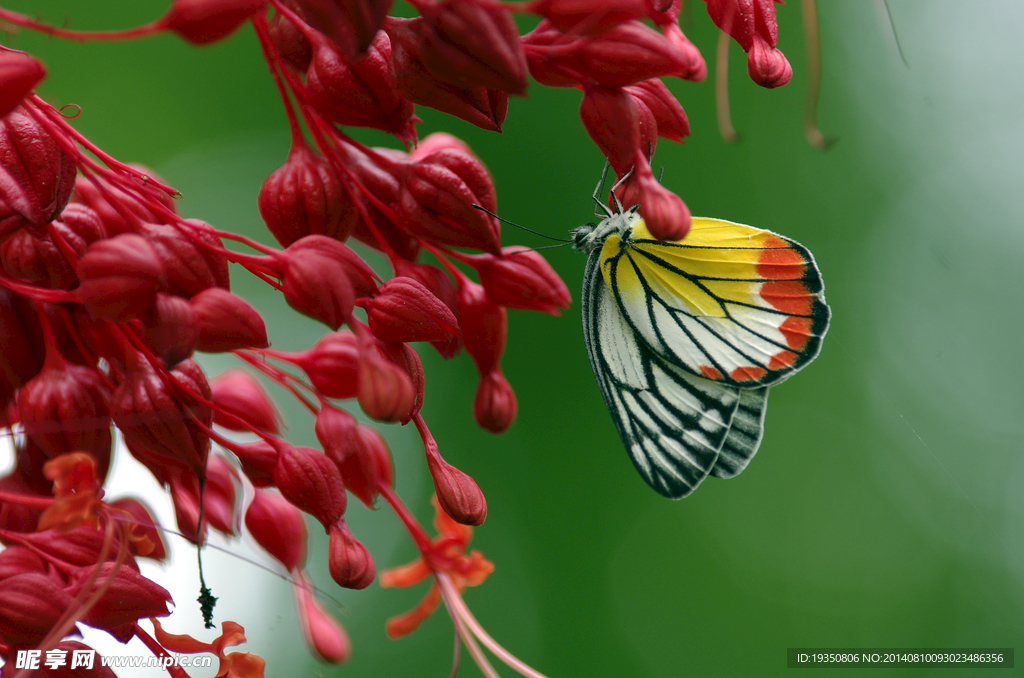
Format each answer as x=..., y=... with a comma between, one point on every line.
x=305, y=196
x=20, y=560
x=349, y=562
x=522, y=279
x=368, y=467
x=404, y=310
x=384, y=389
x=753, y=25
x=79, y=547
x=65, y=409
x=226, y=322
x=457, y=494
x=40, y=261
x=289, y=41
x=438, y=141
x=766, y=65
x=23, y=347
x=696, y=67
x=666, y=215
x=237, y=393
x=19, y=74
x=120, y=277
x=469, y=43
x=361, y=93
x=438, y=197
x=171, y=328
x=669, y=115
x=332, y=365
x=440, y=285
x=484, y=325
x=623, y=55
x=220, y=506
x=129, y=597
x=611, y=118
x=158, y=420
x=494, y=407
x=311, y=482
x=201, y=22
x=36, y=175
x=146, y=539
x=405, y=357
x=586, y=17
x=190, y=267
x=324, y=635
x=350, y=24
x=336, y=431
x=483, y=107
x=114, y=222
x=278, y=527
x=30, y=605
x=258, y=460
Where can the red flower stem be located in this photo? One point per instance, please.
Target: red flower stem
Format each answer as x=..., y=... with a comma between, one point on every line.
x=415, y=531
x=273, y=60
x=37, y=293
x=157, y=649
x=131, y=217
x=53, y=360
x=460, y=277
x=282, y=377
x=27, y=500
x=65, y=249
x=46, y=29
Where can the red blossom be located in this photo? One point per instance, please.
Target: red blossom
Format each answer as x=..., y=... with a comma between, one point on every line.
x=278, y=527
x=202, y=22
x=19, y=74
x=238, y=396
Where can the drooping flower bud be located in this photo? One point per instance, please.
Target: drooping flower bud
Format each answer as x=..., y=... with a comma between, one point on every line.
x=767, y=66
x=19, y=74
x=190, y=267
x=332, y=365
x=474, y=44
x=114, y=222
x=484, y=325
x=406, y=358
x=128, y=598
x=585, y=17
x=158, y=420
x=36, y=175
x=311, y=482
x=20, y=560
x=384, y=389
x=437, y=201
x=494, y=407
x=67, y=408
x=170, y=328
x=278, y=527
x=237, y=393
x=226, y=323
x=669, y=115
x=697, y=68
x=120, y=277
x=483, y=107
x=350, y=564
x=289, y=41
x=201, y=22
x=457, y=493
x=753, y=25
x=362, y=93
x=523, y=279
x=404, y=310
x=666, y=215
x=440, y=285
x=30, y=605
x=350, y=24
x=611, y=118
x=219, y=500
x=306, y=196
x=40, y=260
x=324, y=635
x=368, y=467
x=336, y=431
x=258, y=460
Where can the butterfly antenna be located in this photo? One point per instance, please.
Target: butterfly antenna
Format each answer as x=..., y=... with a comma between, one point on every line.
x=534, y=249
x=597, y=191
x=512, y=223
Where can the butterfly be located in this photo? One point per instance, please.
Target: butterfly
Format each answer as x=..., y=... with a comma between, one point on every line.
x=686, y=337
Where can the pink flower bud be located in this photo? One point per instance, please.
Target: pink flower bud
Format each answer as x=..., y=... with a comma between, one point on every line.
x=40, y=261
x=19, y=74
x=201, y=22
x=65, y=409
x=438, y=197
x=767, y=66
x=278, y=527
x=611, y=118
x=237, y=393
x=350, y=24
x=494, y=407
x=30, y=605
x=586, y=17
x=305, y=196
x=404, y=310
x=158, y=420
x=483, y=107
x=623, y=55
x=666, y=215
x=120, y=277
x=368, y=467
x=384, y=390
x=258, y=460
x=36, y=175
x=289, y=41
x=474, y=44
x=522, y=279
x=350, y=564
x=669, y=115
x=361, y=93
x=484, y=325
x=170, y=328
x=336, y=431
x=438, y=141
x=440, y=285
x=324, y=635
x=226, y=322
x=696, y=68
x=190, y=267
x=129, y=597
x=332, y=365
x=147, y=540
x=311, y=482
x=457, y=494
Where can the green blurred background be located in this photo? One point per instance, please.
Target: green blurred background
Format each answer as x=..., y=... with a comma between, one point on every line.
x=886, y=505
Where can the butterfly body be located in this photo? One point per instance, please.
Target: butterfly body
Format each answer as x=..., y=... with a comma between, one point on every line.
x=686, y=337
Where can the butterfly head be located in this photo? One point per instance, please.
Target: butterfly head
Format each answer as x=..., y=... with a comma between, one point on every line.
x=589, y=237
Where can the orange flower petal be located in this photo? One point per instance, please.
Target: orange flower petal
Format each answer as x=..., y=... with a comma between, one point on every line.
x=405, y=575
x=404, y=624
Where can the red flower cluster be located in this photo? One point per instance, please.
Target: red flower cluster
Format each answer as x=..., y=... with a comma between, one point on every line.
x=106, y=293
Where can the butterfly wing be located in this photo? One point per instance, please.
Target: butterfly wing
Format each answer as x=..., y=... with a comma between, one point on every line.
x=672, y=423
x=732, y=303
x=744, y=435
